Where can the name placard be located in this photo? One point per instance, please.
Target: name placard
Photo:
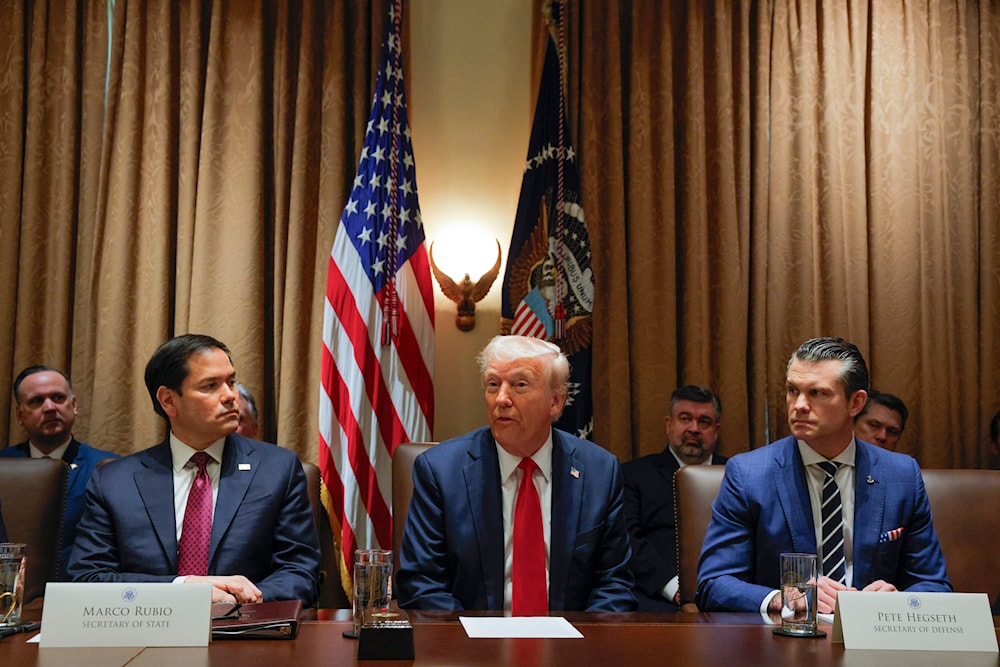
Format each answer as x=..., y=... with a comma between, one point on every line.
x=126, y=614
x=907, y=621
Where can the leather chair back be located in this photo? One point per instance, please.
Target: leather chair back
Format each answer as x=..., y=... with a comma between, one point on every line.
x=312, y=484
x=695, y=489
x=966, y=509
x=33, y=497
x=402, y=490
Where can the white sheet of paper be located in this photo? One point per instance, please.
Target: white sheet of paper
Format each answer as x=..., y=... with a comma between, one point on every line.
x=519, y=626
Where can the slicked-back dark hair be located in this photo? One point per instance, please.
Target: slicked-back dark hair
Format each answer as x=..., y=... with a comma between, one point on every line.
x=894, y=403
x=169, y=364
x=31, y=370
x=854, y=372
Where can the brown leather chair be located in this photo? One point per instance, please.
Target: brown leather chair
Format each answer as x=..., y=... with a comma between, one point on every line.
x=331, y=593
x=695, y=489
x=402, y=490
x=966, y=509
x=312, y=485
x=33, y=493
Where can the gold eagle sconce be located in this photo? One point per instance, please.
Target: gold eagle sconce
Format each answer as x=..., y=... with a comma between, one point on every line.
x=465, y=293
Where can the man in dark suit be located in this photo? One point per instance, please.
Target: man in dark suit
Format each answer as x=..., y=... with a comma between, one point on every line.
x=461, y=547
x=771, y=500
x=238, y=518
x=692, y=430
x=46, y=407
x=882, y=420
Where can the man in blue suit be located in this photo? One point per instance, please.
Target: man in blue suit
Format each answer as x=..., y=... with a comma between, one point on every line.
x=459, y=544
x=770, y=498
x=46, y=407
x=257, y=542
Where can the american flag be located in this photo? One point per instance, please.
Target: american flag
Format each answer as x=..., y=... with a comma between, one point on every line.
x=378, y=325
x=548, y=290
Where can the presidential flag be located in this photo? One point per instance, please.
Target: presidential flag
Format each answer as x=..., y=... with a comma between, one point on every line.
x=548, y=290
x=378, y=326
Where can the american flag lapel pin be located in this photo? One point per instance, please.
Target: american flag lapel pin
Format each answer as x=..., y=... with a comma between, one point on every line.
x=574, y=473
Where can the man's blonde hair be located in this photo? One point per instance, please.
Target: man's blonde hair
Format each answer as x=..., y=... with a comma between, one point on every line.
x=505, y=349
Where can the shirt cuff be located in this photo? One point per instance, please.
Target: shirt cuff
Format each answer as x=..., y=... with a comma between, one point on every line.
x=180, y=580
x=767, y=601
x=670, y=590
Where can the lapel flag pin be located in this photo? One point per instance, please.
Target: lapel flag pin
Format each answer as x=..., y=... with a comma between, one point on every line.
x=574, y=473
x=244, y=466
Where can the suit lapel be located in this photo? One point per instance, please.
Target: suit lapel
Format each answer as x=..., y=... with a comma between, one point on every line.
x=564, y=517
x=233, y=486
x=481, y=474
x=869, y=508
x=155, y=484
x=73, y=480
x=667, y=465
x=793, y=494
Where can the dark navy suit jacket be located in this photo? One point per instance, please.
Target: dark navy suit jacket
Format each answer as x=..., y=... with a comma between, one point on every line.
x=763, y=509
x=649, y=516
x=452, y=556
x=82, y=459
x=262, y=527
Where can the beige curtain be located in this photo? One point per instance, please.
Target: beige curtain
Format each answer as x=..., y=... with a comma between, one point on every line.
x=758, y=173
x=199, y=191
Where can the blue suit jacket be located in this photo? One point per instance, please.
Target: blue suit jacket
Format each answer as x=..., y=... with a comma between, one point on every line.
x=82, y=459
x=763, y=509
x=452, y=556
x=262, y=526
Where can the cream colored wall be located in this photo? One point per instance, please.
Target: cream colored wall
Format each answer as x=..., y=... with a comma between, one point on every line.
x=470, y=109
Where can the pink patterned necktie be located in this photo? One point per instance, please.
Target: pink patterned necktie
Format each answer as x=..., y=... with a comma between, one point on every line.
x=530, y=596
x=196, y=533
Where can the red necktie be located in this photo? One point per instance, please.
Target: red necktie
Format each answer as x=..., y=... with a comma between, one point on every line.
x=196, y=533
x=530, y=596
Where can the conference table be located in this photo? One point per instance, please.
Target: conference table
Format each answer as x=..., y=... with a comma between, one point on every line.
x=440, y=639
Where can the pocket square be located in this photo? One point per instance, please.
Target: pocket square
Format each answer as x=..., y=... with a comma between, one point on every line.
x=890, y=535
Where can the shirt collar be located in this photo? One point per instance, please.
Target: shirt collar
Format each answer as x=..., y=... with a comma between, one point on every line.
x=181, y=452
x=56, y=453
x=542, y=458
x=706, y=462
x=810, y=456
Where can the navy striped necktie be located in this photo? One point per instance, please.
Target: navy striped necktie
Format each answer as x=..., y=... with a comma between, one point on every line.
x=832, y=515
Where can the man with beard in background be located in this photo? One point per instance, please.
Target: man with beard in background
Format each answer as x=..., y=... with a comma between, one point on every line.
x=692, y=429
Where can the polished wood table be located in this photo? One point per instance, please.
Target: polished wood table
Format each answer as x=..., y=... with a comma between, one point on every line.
x=439, y=639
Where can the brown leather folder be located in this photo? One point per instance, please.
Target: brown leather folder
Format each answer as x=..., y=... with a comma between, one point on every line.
x=261, y=620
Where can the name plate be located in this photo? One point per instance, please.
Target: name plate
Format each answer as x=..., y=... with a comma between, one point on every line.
x=908, y=621
x=126, y=614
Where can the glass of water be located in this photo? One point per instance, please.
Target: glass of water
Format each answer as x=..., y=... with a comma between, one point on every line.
x=372, y=585
x=798, y=593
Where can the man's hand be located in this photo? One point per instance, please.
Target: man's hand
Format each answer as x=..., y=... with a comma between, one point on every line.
x=879, y=587
x=826, y=594
x=234, y=588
